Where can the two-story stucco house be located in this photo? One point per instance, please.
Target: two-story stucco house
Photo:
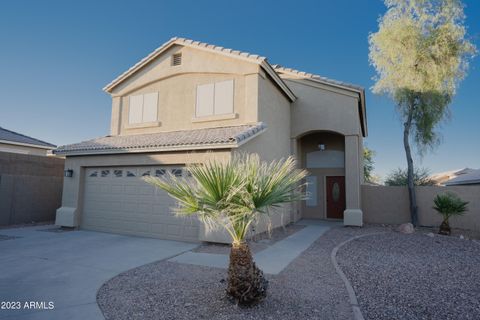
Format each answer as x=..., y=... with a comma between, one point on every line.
x=188, y=102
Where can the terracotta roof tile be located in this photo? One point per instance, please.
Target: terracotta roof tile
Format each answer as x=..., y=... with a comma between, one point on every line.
x=187, y=139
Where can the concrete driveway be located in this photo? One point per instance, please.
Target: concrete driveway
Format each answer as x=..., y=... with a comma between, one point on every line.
x=40, y=268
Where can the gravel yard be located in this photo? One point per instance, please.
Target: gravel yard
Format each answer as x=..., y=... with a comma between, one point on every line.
x=413, y=276
x=308, y=288
x=395, y=276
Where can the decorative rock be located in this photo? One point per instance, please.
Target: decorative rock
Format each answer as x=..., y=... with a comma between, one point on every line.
x=406, y=228
x=462, y=237
x=430, y=234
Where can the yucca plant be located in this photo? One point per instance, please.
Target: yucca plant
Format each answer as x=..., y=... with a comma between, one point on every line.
x=449, y=205
x=235, y=194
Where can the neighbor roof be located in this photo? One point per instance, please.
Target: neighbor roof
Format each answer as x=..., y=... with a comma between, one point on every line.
x=210, y=138
x=472, y=177
x=442, y=177
x=12, y=137
x=262, y=61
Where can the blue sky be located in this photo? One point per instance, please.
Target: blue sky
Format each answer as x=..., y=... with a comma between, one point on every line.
x=56, y=56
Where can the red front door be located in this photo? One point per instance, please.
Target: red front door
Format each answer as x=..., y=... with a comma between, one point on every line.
x=335, y=197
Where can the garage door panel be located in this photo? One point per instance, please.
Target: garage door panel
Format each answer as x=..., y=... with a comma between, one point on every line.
x=158, y=228
x=116, y=189
x=145, y=208
x=117, y=200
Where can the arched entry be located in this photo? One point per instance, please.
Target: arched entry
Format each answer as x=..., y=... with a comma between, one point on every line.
x=323, y=155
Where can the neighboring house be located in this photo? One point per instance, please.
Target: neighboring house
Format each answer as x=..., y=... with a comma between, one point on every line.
x=14, y=142
x=470, y=178
x=188, y=102
x=444, y=178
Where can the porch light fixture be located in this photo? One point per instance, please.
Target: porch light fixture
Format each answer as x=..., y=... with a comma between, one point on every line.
x=68, y=173
x=321, y=146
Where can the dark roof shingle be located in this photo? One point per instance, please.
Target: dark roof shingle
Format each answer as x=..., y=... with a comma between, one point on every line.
x=184, y=140
x=15, y=137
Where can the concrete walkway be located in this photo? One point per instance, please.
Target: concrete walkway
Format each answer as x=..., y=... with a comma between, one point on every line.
x=273, y=259
x=68, y=268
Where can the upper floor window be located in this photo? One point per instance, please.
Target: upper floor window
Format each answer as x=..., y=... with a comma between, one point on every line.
x=214, y=99
x=143, y=108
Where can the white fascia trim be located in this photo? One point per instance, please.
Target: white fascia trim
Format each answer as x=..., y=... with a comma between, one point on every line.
x=272, y=73
x=26, y=145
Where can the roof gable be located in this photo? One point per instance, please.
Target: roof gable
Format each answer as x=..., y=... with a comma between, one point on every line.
x=358, y=90
x=253, y=58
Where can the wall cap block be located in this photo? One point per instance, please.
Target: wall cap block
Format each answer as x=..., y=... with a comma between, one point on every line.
x=66, y=217
x=353, y=217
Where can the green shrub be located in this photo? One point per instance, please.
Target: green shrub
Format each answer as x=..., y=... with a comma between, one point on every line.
x=449, y=205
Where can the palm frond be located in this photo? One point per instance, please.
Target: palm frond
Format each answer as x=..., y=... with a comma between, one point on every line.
x=233, y=194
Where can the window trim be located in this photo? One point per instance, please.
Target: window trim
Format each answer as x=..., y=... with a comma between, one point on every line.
x=147, y=124
x=227, y=116
x=143, y=125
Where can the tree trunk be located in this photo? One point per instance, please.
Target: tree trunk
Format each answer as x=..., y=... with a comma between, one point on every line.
x=246, y=283
x=410, y=171
x=445, y=228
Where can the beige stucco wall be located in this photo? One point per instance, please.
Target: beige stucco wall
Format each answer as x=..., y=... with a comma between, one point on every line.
x=4, y=147
x=274, y=111
x=177, y=91
x=384, y=204
x=274, y=143
x=320, y=107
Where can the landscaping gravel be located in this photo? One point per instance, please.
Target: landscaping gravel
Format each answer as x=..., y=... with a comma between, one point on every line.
x=394, y=275
x=308, y=288
x=413, y=276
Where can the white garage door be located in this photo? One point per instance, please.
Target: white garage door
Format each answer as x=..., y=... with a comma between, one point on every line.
x=117, y=200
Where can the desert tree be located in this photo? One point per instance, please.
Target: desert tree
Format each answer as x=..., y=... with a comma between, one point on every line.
x=420, y=53
x=399, y=177
x=368, y=164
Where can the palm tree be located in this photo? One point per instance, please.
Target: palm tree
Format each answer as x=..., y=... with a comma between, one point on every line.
x=448, y=205
x=235, y=195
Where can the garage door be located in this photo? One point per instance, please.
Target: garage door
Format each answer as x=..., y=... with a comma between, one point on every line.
x=117, y=200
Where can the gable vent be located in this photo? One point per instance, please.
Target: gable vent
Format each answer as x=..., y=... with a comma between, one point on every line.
x=176, y=59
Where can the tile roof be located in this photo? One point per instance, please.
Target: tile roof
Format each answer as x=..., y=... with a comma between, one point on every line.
x=472, y=177
x=246, y=55
x=303, y=74
x=18, y=138
x=209, y=138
